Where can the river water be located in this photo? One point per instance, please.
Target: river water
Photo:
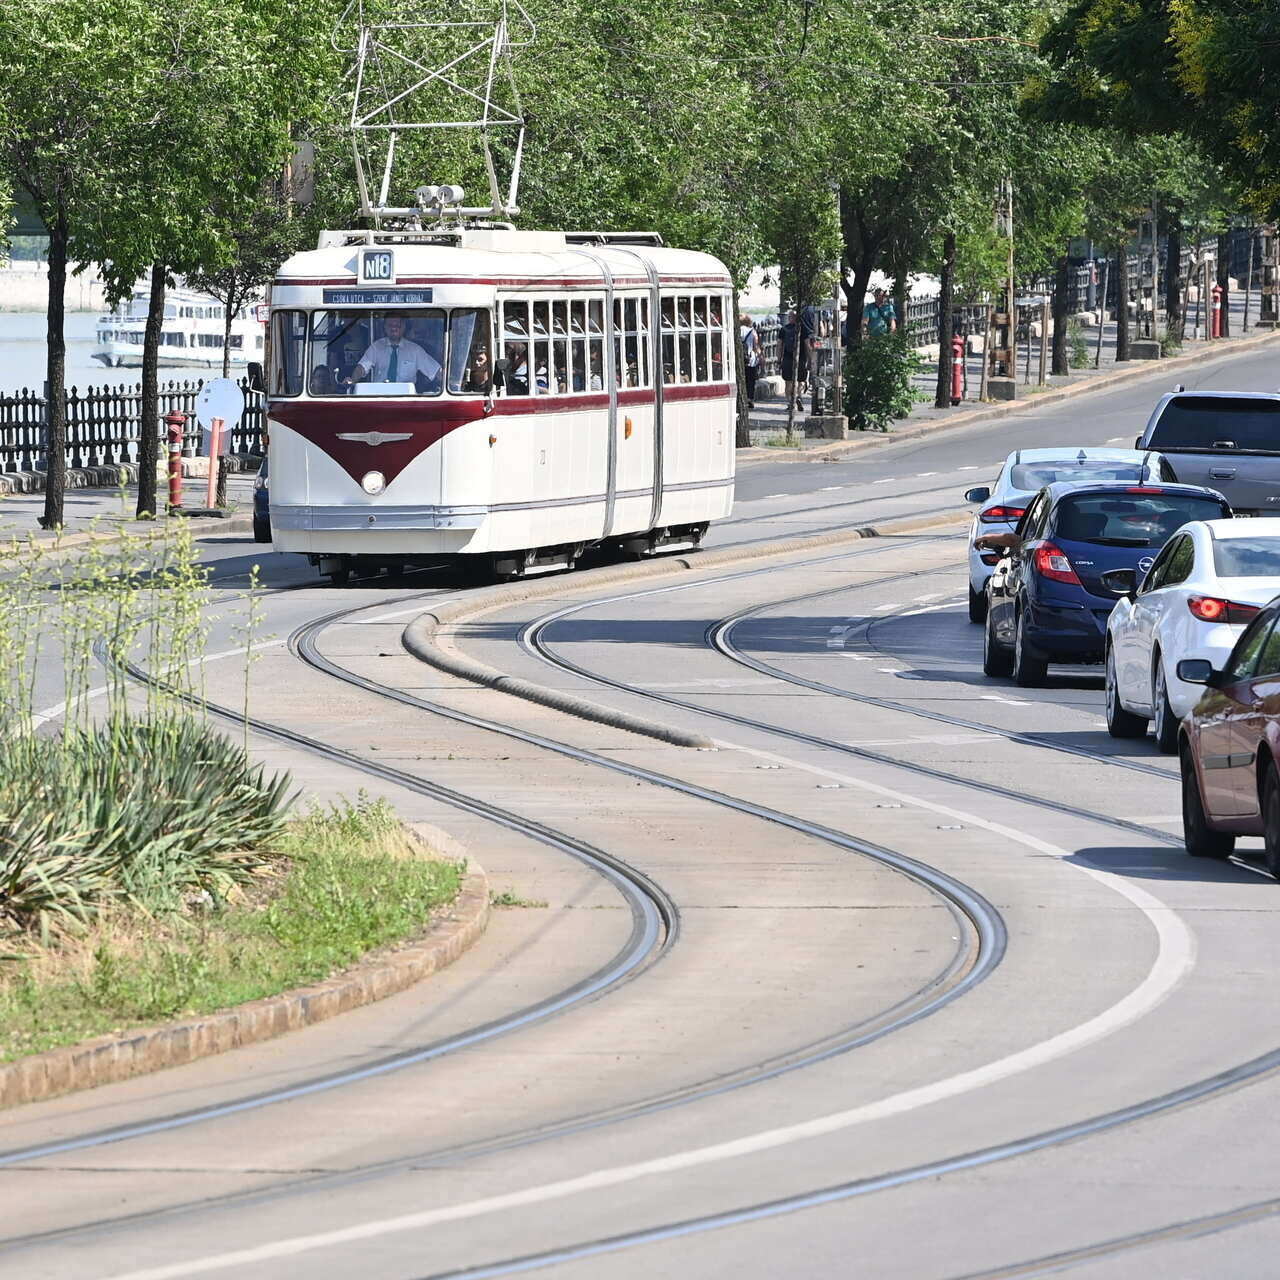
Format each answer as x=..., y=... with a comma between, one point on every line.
x=23, y=352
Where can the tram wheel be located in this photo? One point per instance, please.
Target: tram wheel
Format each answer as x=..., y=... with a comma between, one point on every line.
x=340, y=574
x=394, y=568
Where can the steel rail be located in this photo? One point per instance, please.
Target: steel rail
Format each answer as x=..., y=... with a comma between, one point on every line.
x=655, y=925
x=981, y=938
x=534, y=640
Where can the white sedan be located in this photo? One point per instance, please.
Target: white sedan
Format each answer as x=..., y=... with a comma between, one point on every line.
x=1207, y=583
x=1023, y=474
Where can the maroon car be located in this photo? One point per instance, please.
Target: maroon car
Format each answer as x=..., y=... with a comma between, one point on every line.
x=1229, y=746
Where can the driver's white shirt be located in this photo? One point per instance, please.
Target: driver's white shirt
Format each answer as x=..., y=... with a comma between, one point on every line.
x=411, y=360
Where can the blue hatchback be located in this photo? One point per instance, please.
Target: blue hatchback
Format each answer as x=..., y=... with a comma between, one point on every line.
x=1047, y=600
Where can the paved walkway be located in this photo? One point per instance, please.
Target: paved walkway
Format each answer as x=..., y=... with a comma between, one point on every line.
x=769, y=418
x=85, y=509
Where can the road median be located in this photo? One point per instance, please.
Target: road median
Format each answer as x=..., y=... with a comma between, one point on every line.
x=433, y=636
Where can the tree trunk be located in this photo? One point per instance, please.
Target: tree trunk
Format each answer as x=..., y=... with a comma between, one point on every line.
x=227, y=313
x=55, y=444
x=1122, y=303
x=1224, y=281
x=150, y=418
x=742, y=437
x=1061, y=365
x=900, y=297
x=946, y=286
x=1175, y=315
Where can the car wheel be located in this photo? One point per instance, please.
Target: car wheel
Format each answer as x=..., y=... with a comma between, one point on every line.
x=977, y=605
x=1028, y=671
x=995, y=660
x=261, y=529
x=1271, y=820
x=1165, y=723
x=1199, y=839
x=1120, y=723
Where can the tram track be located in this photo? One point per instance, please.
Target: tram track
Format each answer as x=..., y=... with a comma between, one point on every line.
x=980, y=933
x=533, y=639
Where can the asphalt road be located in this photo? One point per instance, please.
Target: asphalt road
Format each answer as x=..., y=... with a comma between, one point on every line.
x=942, y=997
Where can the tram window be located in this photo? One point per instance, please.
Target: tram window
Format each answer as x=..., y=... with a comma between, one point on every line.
x=645, y=380
x=717, y=356
x=515, y=346
x=559, y=381
x=470, y=352
x=288, y=352
x=595, y=316
x=668, y=358
x=595, y=379
x=541, y=313
x=393, y=353
x=559, y=318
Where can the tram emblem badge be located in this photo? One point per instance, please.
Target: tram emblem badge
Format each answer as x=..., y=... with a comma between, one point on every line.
x=375, y=437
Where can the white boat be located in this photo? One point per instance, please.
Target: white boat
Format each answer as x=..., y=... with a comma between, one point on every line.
x=192, y=332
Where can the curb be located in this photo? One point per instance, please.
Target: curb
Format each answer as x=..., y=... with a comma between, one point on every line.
x=422, y=638
x=1136, y=371
x=109, y=1059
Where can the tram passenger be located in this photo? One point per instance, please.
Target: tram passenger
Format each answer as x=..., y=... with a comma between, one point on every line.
x=394, y=358
x=518, y=377
x=323, y=382
x=479, y=376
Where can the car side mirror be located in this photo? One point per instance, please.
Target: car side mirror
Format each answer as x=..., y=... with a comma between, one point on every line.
x=256, y=381
x=1196, y=671
x=980, y=494
x=1124, y=582
x=1137, y=443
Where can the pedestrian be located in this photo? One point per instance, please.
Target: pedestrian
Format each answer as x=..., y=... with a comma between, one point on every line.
x=881, y=316
x=751, y=361
x=795, y=357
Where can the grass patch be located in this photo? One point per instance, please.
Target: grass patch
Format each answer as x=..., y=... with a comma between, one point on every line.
x=509, y=899
x=335, y=884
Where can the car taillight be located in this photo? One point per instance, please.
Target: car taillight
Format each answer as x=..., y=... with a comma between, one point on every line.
x=1051, y=562
x=1144, y=489
x=1001, y=515
x=989, y=557
x=1212, y=609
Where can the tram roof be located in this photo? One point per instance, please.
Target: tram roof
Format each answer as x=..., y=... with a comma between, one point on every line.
x=502, y=257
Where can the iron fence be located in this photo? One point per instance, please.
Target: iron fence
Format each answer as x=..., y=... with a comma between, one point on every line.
x=104, y=425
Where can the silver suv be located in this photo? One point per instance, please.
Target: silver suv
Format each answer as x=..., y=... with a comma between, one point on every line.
x=1225, y=440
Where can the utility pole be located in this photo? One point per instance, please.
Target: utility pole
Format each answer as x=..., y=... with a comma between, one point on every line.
x=1002, y=381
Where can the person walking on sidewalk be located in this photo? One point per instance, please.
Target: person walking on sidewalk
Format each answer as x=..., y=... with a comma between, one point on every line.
x=795, y=357
x=880, y=317
x=751, y=356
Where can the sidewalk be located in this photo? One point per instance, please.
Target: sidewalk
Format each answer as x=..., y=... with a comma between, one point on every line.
x=85, y=509
x=769, y=418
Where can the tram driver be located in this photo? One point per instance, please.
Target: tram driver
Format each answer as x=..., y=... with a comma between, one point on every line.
x=395, y=358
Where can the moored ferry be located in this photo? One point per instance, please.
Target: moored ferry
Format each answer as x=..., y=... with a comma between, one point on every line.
x=192, y=332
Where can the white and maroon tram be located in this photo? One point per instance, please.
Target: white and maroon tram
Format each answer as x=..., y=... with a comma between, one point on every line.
x=512, y=395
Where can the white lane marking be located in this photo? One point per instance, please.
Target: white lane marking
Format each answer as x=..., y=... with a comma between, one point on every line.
x=768, y=496
x=1116, y=439
x=880, y=608
x=60, y=708
x=830, y=488
x=936, y=595
x=886, y=480
x=972, y=468
x=921, y=475
x=858, y=657
x=1008, y=702
x=1175, y=956
x=889, y=671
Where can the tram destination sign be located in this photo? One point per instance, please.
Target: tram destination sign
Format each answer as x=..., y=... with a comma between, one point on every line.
x=376, y=297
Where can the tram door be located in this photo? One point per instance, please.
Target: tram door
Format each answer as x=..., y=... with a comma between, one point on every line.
x=636, y=422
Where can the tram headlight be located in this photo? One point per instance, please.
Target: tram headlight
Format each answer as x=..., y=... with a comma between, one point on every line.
x=373, y=482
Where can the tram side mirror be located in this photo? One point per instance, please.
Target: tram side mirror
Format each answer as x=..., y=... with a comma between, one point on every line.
x=1196, y=671
x=980, y=494
x=1124, y=582
x=256, y=381
x=501, y=367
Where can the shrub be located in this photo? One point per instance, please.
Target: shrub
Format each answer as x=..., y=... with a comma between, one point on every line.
x=878, y=385
x=1079, y=344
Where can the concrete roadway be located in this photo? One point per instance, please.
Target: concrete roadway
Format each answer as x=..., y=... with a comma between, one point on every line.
x=1128, y=972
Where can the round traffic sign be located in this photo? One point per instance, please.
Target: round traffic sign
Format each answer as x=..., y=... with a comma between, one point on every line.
x=219, y=398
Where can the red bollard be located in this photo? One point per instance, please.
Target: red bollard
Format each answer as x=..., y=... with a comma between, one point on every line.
x=1217, y=311
x=175, y=421
x=957, y=369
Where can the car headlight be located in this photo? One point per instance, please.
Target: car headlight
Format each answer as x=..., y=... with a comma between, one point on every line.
x=373, y=482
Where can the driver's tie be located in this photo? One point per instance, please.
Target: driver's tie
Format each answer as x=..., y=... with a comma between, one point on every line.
x=393, y=365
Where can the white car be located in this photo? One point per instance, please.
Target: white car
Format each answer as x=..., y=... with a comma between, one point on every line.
x=1209, y=580
x=1024, y=473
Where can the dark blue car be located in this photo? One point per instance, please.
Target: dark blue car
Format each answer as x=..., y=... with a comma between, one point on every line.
x=1047, y=601
x=261, y=506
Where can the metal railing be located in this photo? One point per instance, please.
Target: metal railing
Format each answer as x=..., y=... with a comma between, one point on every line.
x=104, y=425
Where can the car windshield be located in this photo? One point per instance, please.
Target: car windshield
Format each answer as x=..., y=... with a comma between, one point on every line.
x=1201, y=422
x=1130, y=519
x=1247, y=557
x=1030, y=476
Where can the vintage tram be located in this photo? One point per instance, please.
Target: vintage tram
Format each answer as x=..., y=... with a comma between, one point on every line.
x=507, y=397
